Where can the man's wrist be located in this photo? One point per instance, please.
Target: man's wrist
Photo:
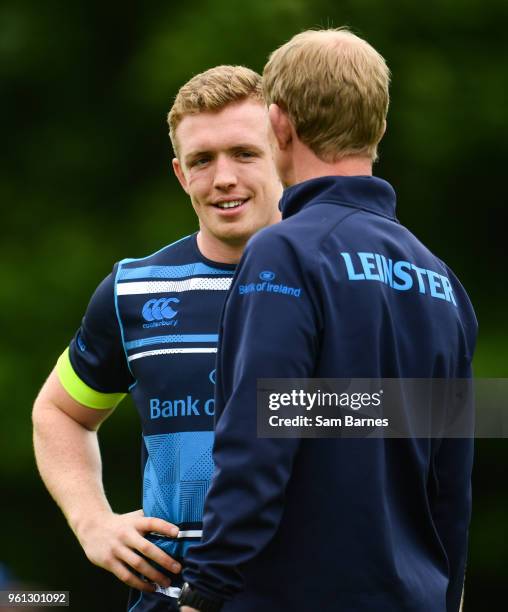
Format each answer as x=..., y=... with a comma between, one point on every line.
x=192, y=598
x=82, y=523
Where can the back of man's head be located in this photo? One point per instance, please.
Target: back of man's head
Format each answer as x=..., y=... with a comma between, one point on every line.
x=334, y=87
x=211, y=91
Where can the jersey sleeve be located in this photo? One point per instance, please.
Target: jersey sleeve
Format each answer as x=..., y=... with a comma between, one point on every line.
x=94, y=369
x=267, y=332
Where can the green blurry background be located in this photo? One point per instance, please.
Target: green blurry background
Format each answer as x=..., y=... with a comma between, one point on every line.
x=85, y=180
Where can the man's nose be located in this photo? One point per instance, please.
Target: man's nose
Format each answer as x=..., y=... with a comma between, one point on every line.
x=225, y=174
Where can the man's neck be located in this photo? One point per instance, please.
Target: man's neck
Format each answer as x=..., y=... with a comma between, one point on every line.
x=308, y=166
x=218, y=251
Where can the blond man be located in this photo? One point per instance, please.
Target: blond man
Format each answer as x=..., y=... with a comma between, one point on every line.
x=151, y=330
x=339, y=289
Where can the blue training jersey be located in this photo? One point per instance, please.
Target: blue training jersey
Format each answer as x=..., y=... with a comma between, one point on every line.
x=151, y=330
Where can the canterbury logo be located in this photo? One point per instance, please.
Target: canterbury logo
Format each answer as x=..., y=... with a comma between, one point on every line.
x=156, y=310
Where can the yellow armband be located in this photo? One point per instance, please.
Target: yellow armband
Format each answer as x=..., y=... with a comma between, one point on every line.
x=80, y=391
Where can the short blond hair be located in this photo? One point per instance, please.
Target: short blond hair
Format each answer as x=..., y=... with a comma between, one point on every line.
x=334, y=87
x=211, y=91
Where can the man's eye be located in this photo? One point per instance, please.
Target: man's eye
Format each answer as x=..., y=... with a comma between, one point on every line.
x=200, y=161
x=246, y=154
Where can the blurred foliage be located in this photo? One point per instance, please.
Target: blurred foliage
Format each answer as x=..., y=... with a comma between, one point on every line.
x=85, y=180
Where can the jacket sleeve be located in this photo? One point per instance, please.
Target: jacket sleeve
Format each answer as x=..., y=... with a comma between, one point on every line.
x=267, y=332
x=451, y=509
x=452, y=466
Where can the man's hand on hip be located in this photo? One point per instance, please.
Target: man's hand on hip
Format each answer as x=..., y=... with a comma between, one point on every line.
x=116, y=543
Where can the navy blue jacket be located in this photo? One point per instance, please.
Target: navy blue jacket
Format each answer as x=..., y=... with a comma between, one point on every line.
x=336, y=524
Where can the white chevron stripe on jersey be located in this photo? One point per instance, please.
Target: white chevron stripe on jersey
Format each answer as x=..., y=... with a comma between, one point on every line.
x=190, y=533
x=183, y=533
x=176, y=351
x=191, y=284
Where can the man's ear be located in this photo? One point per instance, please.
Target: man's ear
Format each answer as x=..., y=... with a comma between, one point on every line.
x=178, y=170
x=281, y=126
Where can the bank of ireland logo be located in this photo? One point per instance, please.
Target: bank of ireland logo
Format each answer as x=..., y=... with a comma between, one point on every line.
x=267, y=275
x=267, y=286
x=159, y=309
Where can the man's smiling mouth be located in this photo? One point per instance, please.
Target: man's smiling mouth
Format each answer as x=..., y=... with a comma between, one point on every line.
x=230, y=204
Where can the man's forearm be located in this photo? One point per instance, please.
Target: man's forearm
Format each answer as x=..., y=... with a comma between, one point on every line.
x=69, y=462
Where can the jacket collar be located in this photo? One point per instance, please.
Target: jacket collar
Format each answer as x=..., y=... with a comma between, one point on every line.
x=364, y=192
